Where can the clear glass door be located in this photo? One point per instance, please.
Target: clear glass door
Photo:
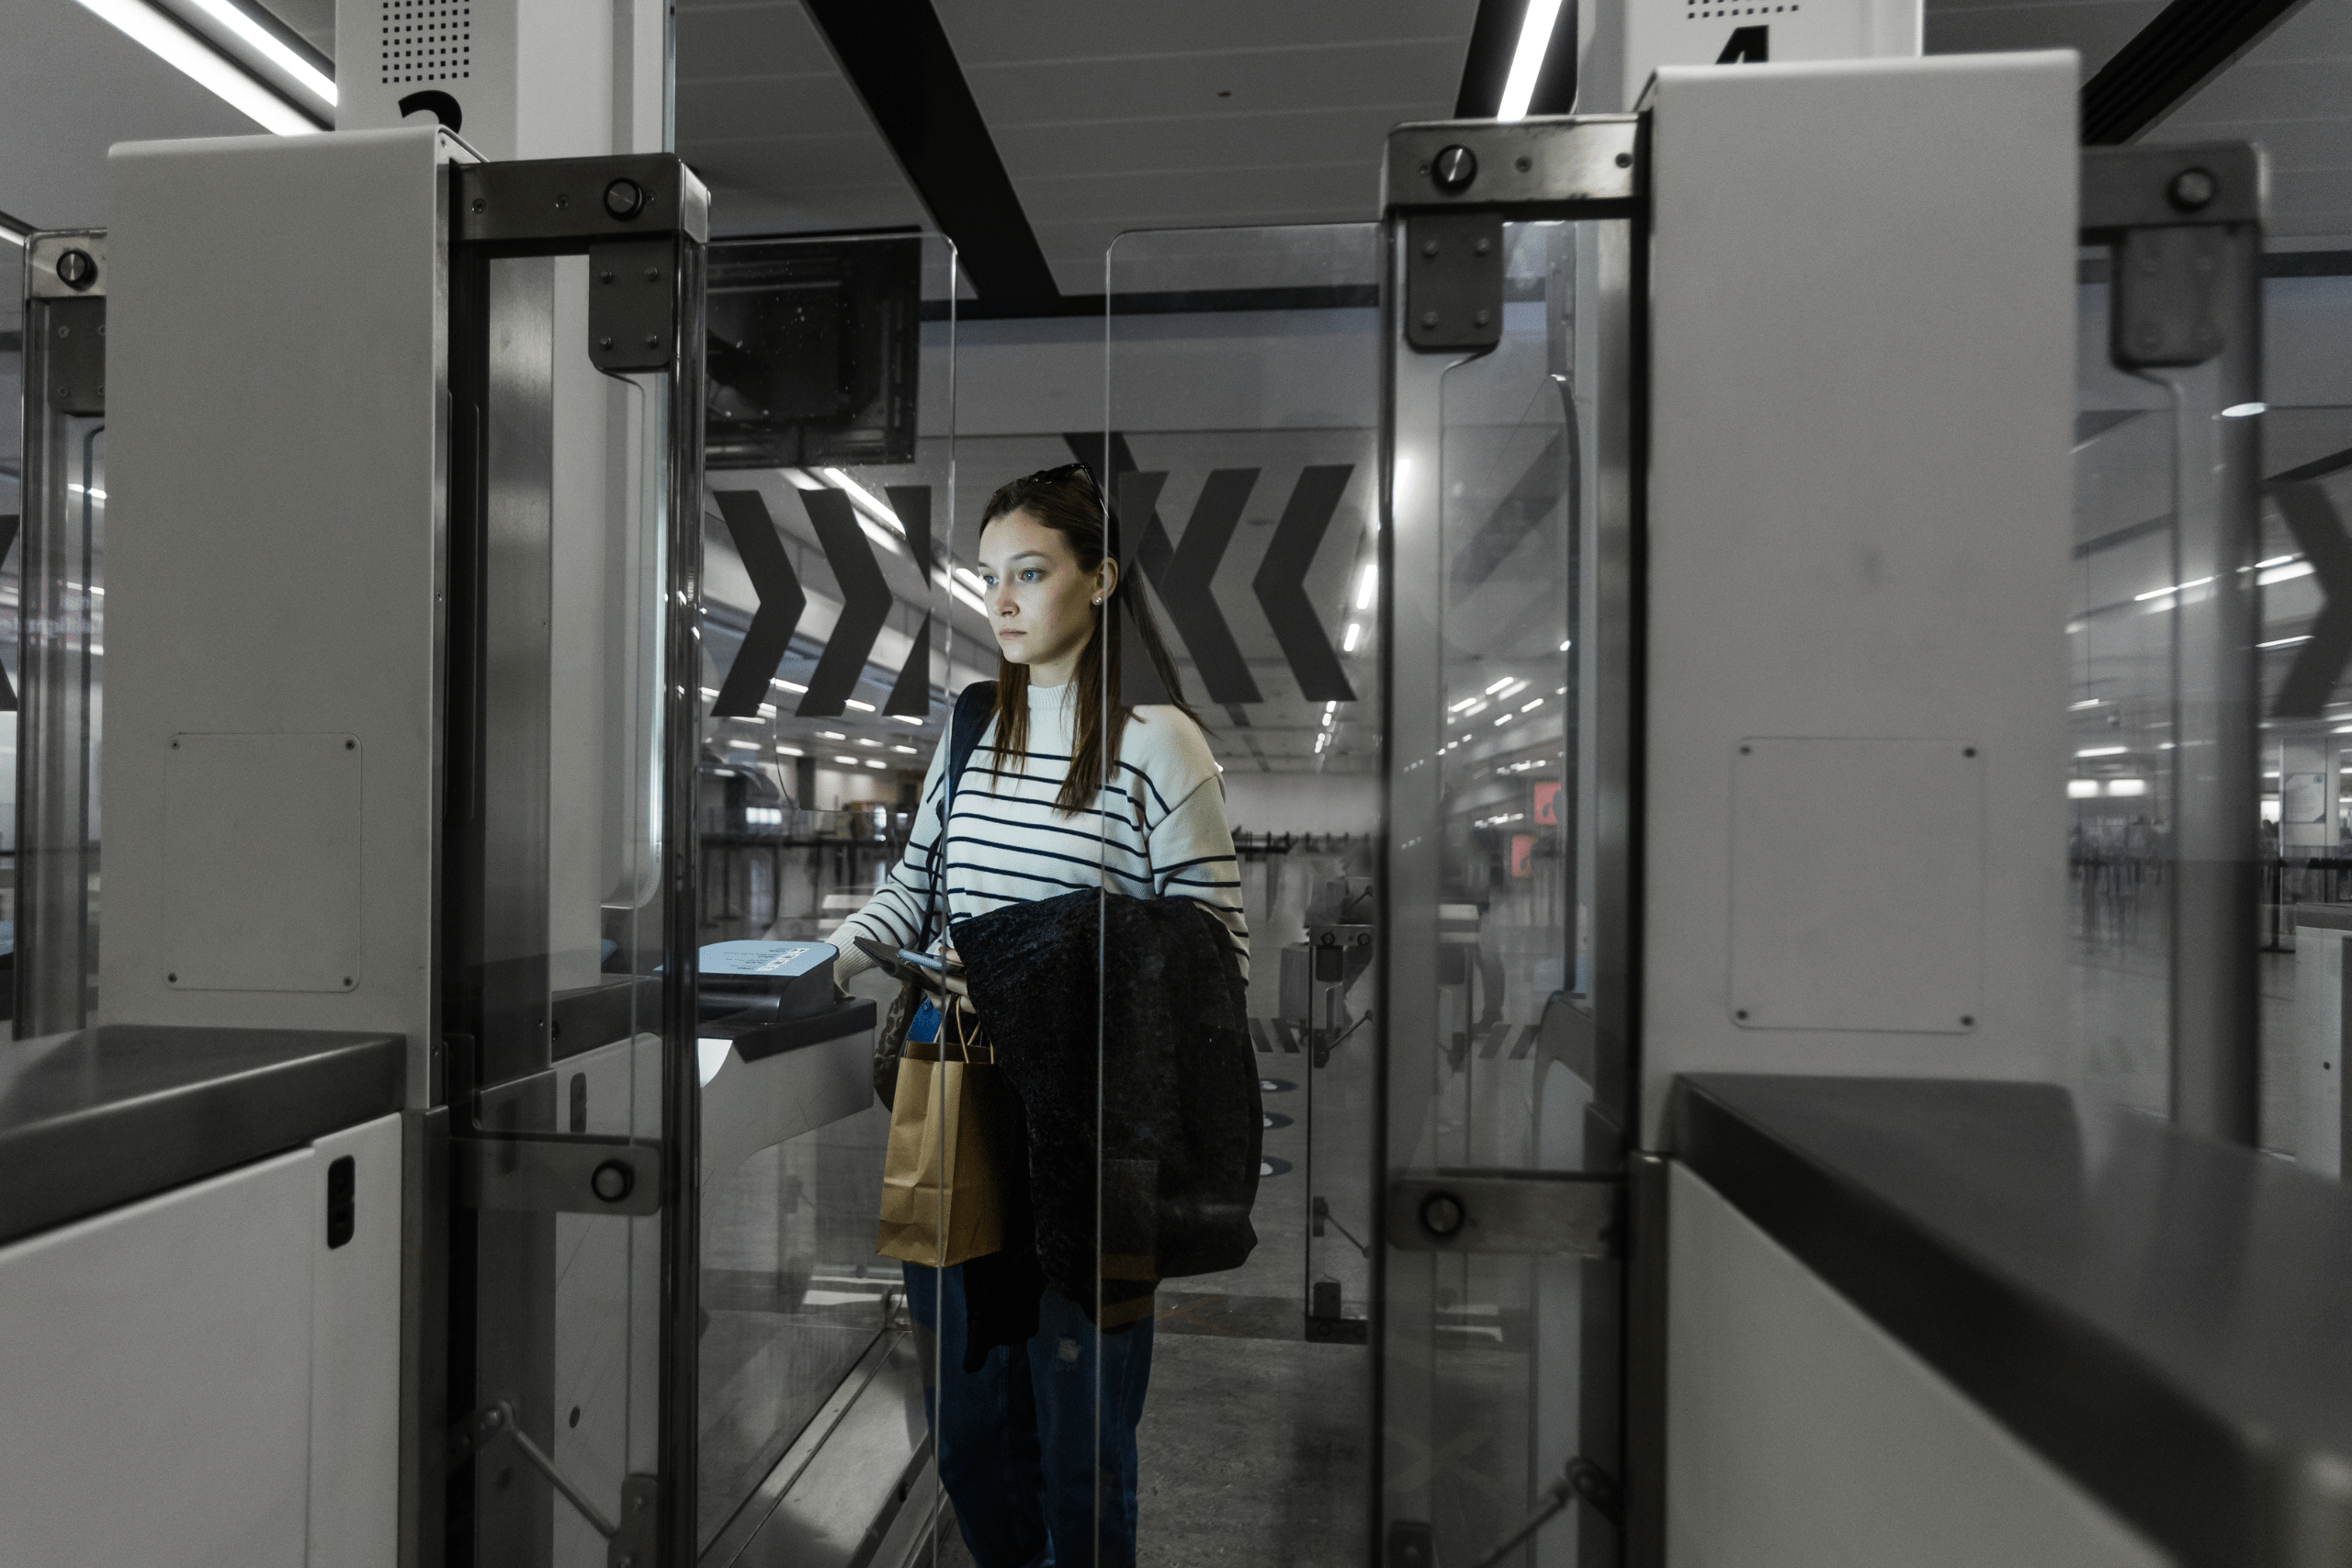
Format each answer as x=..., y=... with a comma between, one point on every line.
x=1499, y=1367
x=570, y=597
x=833, y=638
x=56, y=602
x=1241, y=460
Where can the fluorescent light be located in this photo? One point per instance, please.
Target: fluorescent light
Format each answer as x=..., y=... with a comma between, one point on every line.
x=710, y=693
x=1327, y=721
x=2287, y=573
x=1527, y=63
x=1464, y=703
x=903, y=718
x=278, y=54
x=2175, y=588
x=862, y=707
x=1506, y=719
x=2245, y=410
x=1331, y=707
x=2127, y=786
x=876, y=763
x=1368, y=587
x=789, y=685
x=2081, y=789
x=181, y=49
x=2085, y=703
x=970, y=579
x=2283, y=642
x=1348, y=640
x=1565, y=646
x=832, y=735
x=1498, y=685
x=1478, y=705
x=1514, y=689
x=862, y=740
x=907, y=749
x=2102, y=750
x=11, y=235
x=849, y=760
x=790, y=751
x=1530, y=707
x=742, y=745
x=2266, y=565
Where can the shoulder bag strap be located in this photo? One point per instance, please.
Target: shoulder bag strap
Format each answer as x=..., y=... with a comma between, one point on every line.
x=973, y=705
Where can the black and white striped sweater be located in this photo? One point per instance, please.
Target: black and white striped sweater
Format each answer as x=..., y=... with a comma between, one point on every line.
x=1158, y=829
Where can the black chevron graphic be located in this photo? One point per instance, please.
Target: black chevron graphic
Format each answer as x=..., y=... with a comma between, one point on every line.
x=780, y=603
x=911, y=695
x=865, y=603
x=1280, y=583
x=2312, y=518
x=1187, y=587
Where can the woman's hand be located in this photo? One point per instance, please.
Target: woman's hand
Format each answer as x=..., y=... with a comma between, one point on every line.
x=954, y=986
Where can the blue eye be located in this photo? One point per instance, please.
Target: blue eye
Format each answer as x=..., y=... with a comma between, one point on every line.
x=1031, y=574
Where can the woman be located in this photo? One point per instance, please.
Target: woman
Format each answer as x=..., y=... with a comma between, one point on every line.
x=1036, y=817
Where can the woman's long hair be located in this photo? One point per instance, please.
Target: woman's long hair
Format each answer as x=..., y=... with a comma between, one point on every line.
x=1068, y=500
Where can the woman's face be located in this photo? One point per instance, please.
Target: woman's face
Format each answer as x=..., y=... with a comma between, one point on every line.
x=1041, y=604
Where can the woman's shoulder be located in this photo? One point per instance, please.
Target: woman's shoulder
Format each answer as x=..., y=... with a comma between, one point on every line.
x=1170, y=747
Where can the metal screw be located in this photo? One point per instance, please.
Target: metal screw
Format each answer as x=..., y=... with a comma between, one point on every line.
x=624, y=199
x=653, y=340
x=2192, y=190
x=1481, y=245
x=76, y=270
x=65, y=332
x=1441, y=1214
x=562, y=202
x=1625, y=160
x=603, y=342
x=605, y=277
x=1522, y=163
x=1429, y=318
x=480, y=205
x=1454, y=167
x=1480, y=319
x=1429, y=247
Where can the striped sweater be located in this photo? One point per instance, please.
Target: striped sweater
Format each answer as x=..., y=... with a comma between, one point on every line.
x=1158, y=831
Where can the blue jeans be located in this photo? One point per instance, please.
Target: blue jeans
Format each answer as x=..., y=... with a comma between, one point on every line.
x=1016, y=1442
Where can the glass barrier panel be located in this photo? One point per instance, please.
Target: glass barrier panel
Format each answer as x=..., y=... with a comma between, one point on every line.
x=830, y=654
x=1241, y=457
x=562, y=908
x=2120, y=698
x=55, y=602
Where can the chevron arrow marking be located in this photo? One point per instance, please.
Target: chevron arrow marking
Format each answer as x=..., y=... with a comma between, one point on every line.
x=780, y=603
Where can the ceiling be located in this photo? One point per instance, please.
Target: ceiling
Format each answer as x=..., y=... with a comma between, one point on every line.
x=1110, y=116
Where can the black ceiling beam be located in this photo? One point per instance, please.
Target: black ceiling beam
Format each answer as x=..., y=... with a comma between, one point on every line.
x=1494, y=39
x=896, y=53
x=2187, y=45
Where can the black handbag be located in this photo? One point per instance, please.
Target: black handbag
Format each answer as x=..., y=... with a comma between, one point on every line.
x=973, y=706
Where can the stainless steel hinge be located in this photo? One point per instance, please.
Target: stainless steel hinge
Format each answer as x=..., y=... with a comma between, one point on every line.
x=1453, y=280
x=557, y=1173
x=1539, y=1213
x=2166, y=215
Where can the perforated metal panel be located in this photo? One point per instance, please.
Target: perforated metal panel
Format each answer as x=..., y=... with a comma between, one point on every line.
x=424, y=40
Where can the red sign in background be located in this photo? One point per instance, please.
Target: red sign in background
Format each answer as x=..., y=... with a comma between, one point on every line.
x=1522, y=854
x=1543, y=802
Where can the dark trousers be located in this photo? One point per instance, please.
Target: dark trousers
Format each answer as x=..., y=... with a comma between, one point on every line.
x=1039, y=1441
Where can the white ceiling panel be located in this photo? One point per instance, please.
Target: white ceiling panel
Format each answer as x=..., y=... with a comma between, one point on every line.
x=2092, y=28
x=1112, y=117
x=71, y=87
x=2292, y=93
x=767, y=119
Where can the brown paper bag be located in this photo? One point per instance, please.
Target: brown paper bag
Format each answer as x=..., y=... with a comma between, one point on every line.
x=942, y=1202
